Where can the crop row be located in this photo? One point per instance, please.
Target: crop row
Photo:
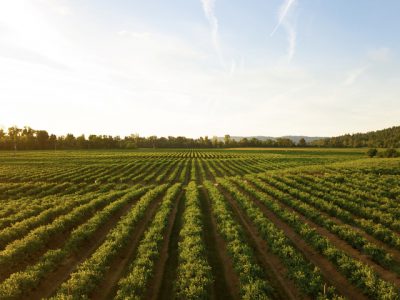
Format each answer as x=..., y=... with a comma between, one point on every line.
x=324, y=204
x=345, y=232
x=305, y=275
x=19, y=283
x=194, y=276
x=133, y=285
x=356, y=272
x=89, y=273
x=253, y=284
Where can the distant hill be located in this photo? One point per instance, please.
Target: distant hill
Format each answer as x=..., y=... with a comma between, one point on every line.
x=294, y=138
x=385, y=138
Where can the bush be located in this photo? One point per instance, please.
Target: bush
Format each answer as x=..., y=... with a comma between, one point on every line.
x=390, y=152
x=372, y=152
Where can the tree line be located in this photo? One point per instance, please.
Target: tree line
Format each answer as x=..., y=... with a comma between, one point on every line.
x=26, y=138
x=385, y=138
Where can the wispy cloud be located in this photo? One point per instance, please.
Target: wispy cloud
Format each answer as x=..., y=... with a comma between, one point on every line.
x=283, y=14
x=374, y=58
x=382, y=55
x=209, y=11
x=137, y=35
x=291, y=36
x=355, y=74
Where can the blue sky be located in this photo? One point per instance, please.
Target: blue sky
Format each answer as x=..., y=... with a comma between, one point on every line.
x=200, y=67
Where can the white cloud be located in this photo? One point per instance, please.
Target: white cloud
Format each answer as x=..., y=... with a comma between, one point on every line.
x=137, y=35
x=65, y=75
x=291, y=36
x=60, y=7
x=209, y=11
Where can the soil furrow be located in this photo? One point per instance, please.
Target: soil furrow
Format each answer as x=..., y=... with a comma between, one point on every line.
x=284, y=288
x=344, y=246
x=154, y=286
x=119, y=266
x=53, y=280
x=226, y=281
x=166, y=289
x=328, y=270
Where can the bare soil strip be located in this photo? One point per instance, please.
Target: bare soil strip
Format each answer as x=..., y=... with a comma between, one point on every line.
x=199, y=176
x=169, y=172
x=394, y=252
x=344, y=246
x=274, y=270
x=120, y=264
x=209, y=176
x=370, y=238
x=226, y=282
x=187, y=175
x=154, y=287
x=56, y=241
x=328, y=270
x=166, y=289
x=54, y=279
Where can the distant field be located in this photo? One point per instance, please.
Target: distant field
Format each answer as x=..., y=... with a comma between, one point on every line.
x=199, y=224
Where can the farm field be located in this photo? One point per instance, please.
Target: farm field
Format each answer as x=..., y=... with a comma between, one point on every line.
x=199, y=224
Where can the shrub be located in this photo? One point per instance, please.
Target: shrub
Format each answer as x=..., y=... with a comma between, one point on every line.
x=372, y=152
x=390, y=152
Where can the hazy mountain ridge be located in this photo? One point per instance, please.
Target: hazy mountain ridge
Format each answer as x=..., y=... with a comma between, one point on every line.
x=294, y=138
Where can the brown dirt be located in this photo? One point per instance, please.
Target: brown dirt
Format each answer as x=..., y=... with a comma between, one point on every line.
x=371, y=239
x=199, y=177
x=328, y=270
x=120, y=264
x=187, y=175
x=160, y=272
x=213, y=166
x=355, y=216
x=209, y=175
x=166, y=289
x=166, y=175
x=56, y=241
x=226, y=282
x=176, y=178
x=344, y=246
x=53, y=280
x=283, y=287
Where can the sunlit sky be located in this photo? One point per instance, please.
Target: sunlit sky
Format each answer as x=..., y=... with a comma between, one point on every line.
x=200, y=67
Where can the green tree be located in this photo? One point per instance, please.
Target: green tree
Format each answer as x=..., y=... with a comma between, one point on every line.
x=302, y=143
x=372, y=152
x=227, y=140
x=153, y=140
x=81, y=142
x=42, y=139
x=14, y=133
x=69, y=141
x=390, y=153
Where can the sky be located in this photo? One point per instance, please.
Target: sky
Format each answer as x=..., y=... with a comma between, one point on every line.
x=200, y=67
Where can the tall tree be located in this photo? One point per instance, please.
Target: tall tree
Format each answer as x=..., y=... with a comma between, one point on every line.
x=14, y=133
x=42, y=139
x=227, y=140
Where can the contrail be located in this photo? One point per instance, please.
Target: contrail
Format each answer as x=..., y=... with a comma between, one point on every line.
x=283, y=11
x=208, y=7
